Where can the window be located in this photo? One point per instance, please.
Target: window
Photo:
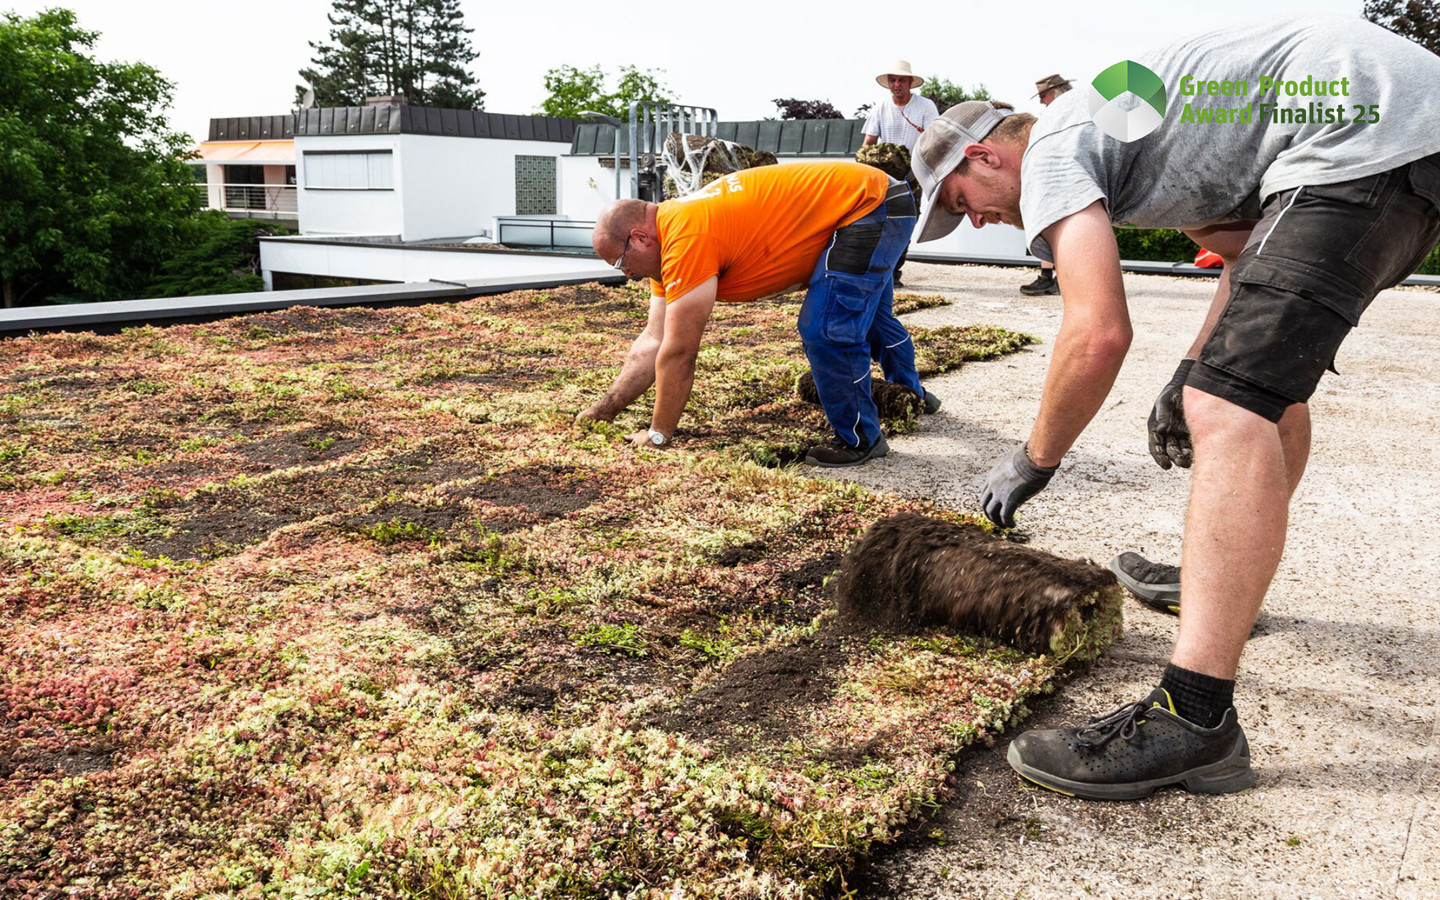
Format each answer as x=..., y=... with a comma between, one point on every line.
x=366, y=170
x=290, y=281
x=244, y=187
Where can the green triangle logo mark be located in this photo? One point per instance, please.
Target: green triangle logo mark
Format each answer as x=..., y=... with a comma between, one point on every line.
x=1121, y=119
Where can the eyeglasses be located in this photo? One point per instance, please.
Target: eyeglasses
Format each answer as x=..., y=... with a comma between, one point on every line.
x=619, y=263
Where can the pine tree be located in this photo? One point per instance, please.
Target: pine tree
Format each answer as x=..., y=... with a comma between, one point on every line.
x=419, y=49
x=445, y=47
x=1418, y=20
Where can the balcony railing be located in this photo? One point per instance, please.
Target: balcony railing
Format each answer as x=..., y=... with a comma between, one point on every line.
x=273, y=200
x=547, y=232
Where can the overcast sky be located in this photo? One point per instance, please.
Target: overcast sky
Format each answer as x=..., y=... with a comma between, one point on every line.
x=242, y=58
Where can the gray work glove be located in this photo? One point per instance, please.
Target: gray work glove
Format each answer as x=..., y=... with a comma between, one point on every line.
x=1169, y=435
x=1013, y=481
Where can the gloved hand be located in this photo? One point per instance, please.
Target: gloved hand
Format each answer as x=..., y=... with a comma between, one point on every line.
x=1013, y=481
x=1169, y=435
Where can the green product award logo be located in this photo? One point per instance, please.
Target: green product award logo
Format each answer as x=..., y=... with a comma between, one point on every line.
x=1120, y=117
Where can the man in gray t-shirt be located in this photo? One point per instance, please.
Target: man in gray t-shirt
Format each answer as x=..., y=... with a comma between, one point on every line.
x=1306, y=156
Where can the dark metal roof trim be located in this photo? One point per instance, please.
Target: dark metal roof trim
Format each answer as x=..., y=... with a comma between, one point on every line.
x=252, y=128
x=797, y=137
x=467, y=123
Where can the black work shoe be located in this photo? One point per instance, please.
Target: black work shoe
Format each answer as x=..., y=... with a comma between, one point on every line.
x=1155, y=584
x=1045, y=284
x=837, y=454
x=1134, y=750
x=932, y=403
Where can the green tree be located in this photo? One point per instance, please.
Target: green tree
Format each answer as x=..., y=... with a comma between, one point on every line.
x=1418, y=20
x=419, y=49
x=573, y=91
x=945, y=94
x=95, y=187
x=791, y=108
x=219, y=255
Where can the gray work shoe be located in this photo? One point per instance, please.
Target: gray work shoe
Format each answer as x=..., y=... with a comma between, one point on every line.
x=1155, y=584
x=1135, y=750
x=1046, y=283
x=932, y=402
x=837, y=454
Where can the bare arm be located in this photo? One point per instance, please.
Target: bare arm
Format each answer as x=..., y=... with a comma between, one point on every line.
x=1227, y=240
x=638, y=372
x=870, y=139
x=685, y=320
x=1094, y=334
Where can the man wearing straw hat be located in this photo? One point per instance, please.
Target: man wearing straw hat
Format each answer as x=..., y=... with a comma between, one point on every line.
x=1047, y=89
x=905, y=117
x=900, y=121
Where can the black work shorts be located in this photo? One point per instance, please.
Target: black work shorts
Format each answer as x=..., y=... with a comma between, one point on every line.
x=1314, y=261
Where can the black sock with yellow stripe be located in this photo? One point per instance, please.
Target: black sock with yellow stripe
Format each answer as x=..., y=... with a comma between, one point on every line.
x=1197, y=697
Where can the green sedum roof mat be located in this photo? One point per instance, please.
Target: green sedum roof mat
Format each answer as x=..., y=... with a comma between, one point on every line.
x=340, y=603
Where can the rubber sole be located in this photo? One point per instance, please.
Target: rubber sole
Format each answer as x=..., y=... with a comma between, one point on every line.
x=877, y=450
x=1045, y=291
x=1227, y=776
x=1164, y=597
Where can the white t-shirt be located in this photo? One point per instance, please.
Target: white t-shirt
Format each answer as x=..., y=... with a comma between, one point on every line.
x=1189, y=174
x=901, y=124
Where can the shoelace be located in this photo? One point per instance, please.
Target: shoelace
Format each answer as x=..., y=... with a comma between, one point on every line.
x=1120, y=723
x=1157, y=573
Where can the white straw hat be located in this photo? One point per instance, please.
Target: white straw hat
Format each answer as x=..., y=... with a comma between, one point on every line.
x=899, y=67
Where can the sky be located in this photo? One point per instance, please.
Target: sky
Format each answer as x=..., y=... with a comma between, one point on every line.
x=242, y=58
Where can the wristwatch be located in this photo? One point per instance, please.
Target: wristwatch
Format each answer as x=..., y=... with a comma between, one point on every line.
x=658, y=439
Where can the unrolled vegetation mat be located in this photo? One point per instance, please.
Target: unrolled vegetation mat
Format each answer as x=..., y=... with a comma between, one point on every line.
x=340, y=603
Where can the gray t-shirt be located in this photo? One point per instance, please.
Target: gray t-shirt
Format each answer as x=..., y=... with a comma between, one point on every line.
x=1189, y=174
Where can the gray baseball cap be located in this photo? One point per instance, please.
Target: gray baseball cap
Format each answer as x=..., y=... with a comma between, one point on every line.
x=939, y=152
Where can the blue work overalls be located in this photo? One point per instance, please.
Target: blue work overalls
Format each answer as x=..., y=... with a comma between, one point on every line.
x=848, y=316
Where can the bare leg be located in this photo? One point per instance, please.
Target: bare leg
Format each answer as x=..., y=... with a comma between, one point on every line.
x=1235, y=528
x=1295, y=440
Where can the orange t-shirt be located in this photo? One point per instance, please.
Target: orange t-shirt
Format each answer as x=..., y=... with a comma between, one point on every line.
x=761, y=230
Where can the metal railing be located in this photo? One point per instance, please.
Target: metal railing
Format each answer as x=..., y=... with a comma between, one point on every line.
x=543, y=232
x=272, y=198
x=650, y=124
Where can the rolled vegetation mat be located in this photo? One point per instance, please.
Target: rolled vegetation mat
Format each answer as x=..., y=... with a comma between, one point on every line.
x=912, y=571
x=894, y=401
x=892, y=159
x=692, y=161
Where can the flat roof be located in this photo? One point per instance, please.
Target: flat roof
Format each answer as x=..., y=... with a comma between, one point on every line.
x=468, y=123
x=792, y=137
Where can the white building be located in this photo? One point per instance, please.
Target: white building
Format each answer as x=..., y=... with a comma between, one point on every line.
x=397, y=193
x=249, y=168
x=376, y=189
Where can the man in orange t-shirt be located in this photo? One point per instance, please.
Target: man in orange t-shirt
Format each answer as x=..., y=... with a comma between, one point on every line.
x=835, y=227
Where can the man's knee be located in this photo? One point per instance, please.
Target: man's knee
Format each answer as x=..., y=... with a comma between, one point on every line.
x=1211, y=417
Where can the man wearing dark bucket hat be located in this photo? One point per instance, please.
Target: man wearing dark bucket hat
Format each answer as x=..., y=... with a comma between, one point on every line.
x=1314, y=216
x=1048, y=89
